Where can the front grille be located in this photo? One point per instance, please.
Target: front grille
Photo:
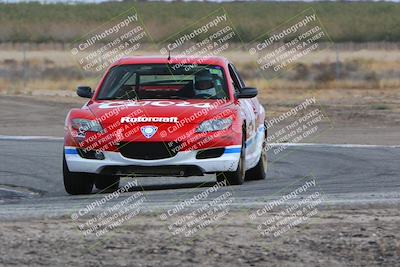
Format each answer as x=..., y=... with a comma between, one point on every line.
x=148, y=150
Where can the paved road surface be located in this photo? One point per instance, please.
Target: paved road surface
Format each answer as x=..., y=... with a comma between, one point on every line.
x=31, y=178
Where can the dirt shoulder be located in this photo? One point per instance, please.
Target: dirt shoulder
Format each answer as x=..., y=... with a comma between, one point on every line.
x=351, y=120
x=35, y=115
x=346, y=237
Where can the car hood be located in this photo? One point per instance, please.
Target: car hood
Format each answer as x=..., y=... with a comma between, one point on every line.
x=189, y=111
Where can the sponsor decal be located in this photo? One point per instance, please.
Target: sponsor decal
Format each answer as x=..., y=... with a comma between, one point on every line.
x=148, y=131
x=149, y=119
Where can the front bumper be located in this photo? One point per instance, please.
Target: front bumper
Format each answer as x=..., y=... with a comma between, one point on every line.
x=184, y=163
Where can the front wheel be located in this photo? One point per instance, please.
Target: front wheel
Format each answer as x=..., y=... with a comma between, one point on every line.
x=259, y=172
x=235, y=177
x=77, y=183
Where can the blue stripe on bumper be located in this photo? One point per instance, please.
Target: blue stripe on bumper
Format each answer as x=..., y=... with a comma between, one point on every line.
x=71, y=151
x=232, y=150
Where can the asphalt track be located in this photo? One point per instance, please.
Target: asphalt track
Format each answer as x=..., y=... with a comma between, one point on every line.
x=31, y=178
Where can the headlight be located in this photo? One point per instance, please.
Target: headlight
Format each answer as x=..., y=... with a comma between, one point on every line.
x=214, y=125
x=84, y=126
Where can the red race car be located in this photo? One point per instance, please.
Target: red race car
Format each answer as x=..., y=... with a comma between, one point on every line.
x=159, y=116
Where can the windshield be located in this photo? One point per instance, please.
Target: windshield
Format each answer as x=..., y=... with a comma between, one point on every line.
x=161, y=81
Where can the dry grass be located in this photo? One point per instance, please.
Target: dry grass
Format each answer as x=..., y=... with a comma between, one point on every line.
x=61, y=87
x=56, y=57
x=369, y=71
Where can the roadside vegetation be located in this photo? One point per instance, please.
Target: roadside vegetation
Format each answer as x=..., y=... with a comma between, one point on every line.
x=344, y=22
x=55, y=70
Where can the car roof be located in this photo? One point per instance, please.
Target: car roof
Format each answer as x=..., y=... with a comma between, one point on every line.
x=219, y=61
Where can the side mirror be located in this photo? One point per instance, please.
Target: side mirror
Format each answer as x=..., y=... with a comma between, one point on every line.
x=84, y=91
x=247, y=92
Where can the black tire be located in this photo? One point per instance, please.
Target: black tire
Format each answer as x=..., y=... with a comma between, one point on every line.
x=107, y=182
x=236, y=177
x=259, y=172
x=77, y=183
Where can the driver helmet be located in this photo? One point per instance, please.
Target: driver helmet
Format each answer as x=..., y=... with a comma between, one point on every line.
x=204, y=84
